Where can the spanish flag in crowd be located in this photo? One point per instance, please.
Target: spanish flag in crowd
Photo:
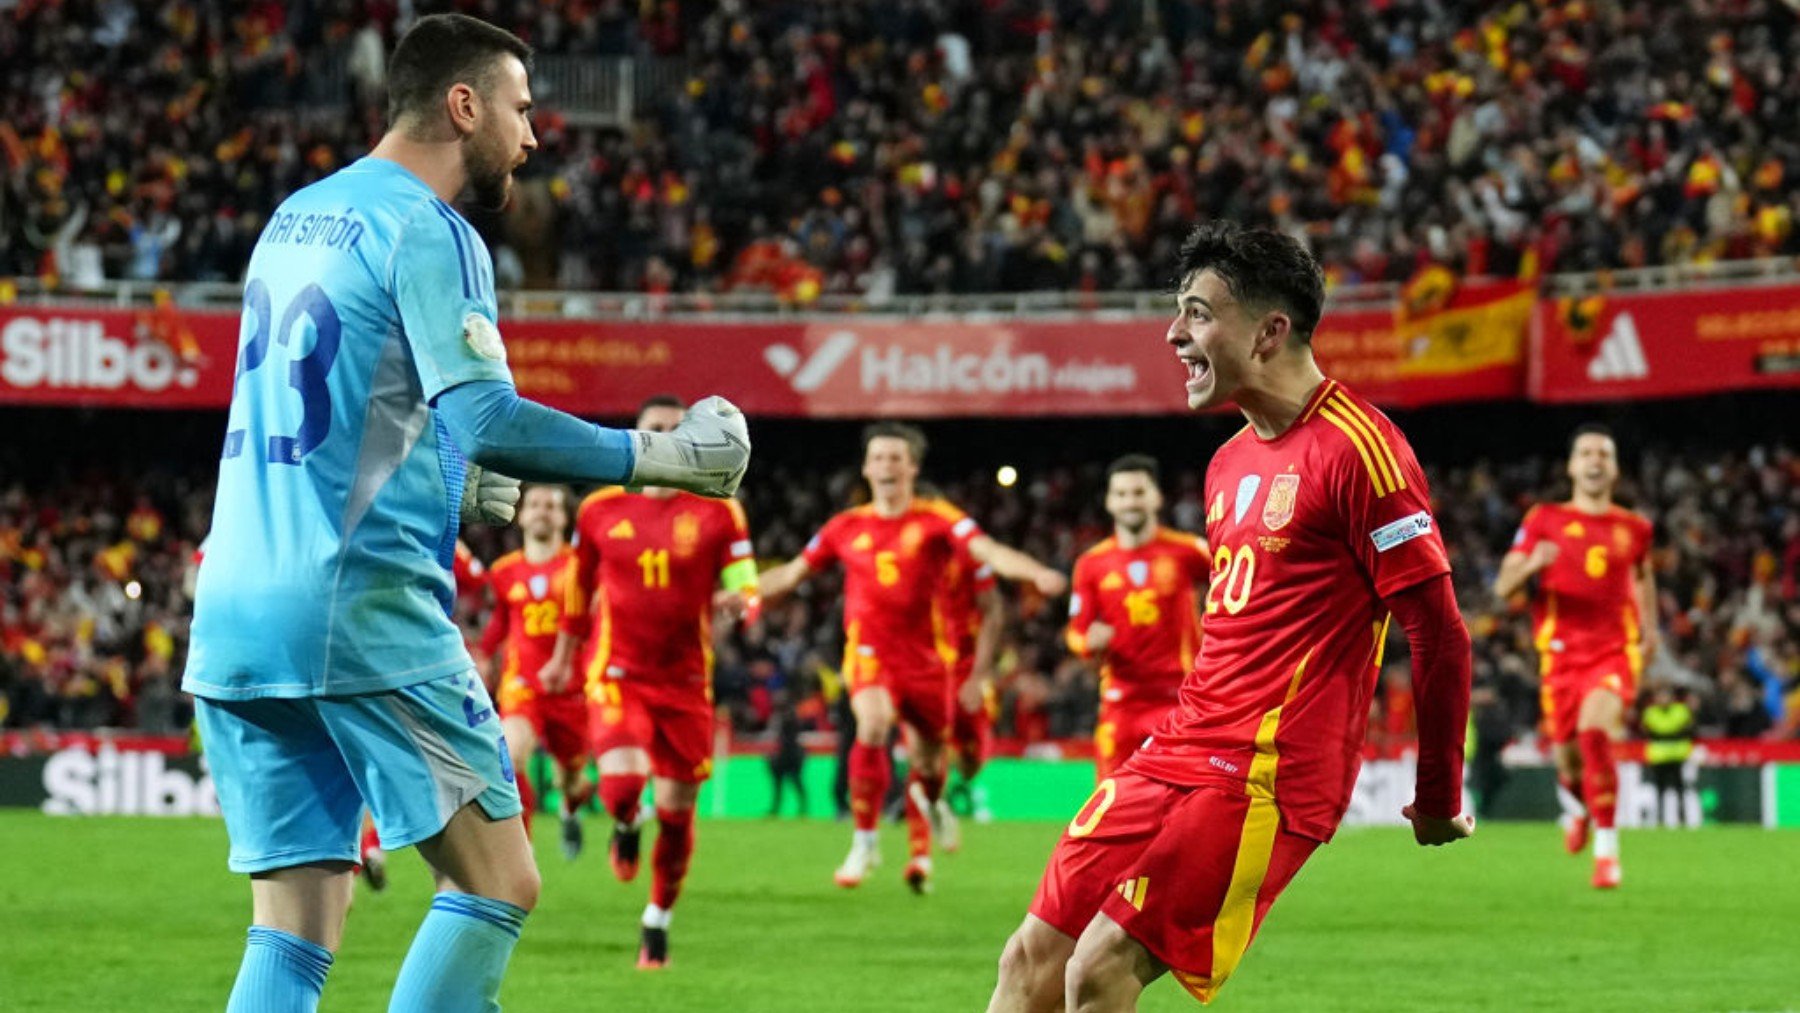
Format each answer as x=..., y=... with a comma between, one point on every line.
x=1447, y=325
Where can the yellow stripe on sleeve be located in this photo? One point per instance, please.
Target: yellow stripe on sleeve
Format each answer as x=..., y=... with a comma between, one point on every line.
x=1356, y=440
x=1376, y=438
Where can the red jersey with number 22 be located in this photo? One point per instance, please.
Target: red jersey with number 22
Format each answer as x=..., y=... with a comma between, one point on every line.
x=1310, y=530
x=528, y=600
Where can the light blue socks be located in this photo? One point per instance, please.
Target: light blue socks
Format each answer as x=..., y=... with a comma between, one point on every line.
x=458, y=957
x=281, y=973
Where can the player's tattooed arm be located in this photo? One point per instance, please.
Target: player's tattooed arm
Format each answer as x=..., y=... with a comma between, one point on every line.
x=987, y=648
x=1649, y=635
x=1012, y=564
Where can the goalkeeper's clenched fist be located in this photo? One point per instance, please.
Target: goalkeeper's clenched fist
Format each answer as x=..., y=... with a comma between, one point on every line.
x=707, y=453
x=488, y=497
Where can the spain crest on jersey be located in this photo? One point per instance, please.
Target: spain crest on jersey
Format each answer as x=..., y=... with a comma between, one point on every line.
x=539, y=584
x=1278, y=509
x=687, y=533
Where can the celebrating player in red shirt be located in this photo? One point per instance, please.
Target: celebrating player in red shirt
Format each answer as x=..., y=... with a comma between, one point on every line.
x=520, y=637
x=1134, y=608
x=1321, y=529
x=1594, y=590
x=894, y=552
x=641, y=595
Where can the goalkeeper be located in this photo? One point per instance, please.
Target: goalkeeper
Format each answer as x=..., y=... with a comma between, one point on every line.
x=326, y=668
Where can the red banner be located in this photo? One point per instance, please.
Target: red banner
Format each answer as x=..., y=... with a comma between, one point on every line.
x=1626, y=347
x=153, y=358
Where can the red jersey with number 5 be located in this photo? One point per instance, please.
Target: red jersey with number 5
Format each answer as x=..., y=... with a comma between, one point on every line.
x=893, y=568
x=1586, y=608
x=1309, y=531
x=1146, y=595
x=528, y=603
x=641, y=587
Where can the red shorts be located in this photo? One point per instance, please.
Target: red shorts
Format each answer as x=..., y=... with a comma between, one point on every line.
x=1122, y=728
x=1187, y=872
x=674, y=724
x=559, y=720
x=972, y=731
x=1565, y=687
x=923, y=704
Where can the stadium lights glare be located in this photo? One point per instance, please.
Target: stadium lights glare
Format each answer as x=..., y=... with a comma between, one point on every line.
x=133, y=590
x=1007, y=476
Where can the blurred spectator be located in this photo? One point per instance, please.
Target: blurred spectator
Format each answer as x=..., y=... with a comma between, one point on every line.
x=945, y=145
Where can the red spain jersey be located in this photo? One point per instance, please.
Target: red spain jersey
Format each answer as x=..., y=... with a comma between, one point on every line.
x=1586, y=608
x=1309, y=531
x=468, y=573
x=641, y=587
x=528, y=603
x=1147, y=596
x=959, y=614
x=893, y=568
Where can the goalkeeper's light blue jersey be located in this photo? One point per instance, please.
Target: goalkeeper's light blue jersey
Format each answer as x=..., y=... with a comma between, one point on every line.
x=327, y=571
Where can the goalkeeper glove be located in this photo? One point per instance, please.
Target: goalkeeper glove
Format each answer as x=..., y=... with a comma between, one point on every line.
x=488, y=497
x=707, y=453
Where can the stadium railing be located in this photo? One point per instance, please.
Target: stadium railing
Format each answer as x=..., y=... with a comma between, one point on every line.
x=738, y=305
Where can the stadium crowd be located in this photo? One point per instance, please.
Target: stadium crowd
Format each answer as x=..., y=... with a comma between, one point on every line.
x=94, y=569
x=941, y=145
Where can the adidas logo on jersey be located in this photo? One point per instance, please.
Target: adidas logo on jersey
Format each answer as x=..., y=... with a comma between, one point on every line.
x=623, y=529
x=1621, y=355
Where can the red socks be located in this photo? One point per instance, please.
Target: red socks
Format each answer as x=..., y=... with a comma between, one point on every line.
x=371, y=841
x=527, y=798
x=619, y=795
x=926, y=789
x=1599, y=777
x=870, y=776
x=578, y=796
x=669, y=859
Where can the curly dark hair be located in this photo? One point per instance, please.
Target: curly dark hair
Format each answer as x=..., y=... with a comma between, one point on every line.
x=1263, y=269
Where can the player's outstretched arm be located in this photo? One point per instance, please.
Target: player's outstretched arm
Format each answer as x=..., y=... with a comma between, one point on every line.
x=1012, y=564
x=1517, y=567
x=1442, y=663
x=778, y=582
x=496, y=428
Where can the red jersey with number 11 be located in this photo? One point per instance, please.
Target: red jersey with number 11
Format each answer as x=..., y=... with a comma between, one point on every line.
x=649, y=566
x=1310, y=530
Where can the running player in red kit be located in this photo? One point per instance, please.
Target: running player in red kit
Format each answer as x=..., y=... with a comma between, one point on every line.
x=520, y=637
x=1321, y=530
x=894, y=552
x=1595, y=587
x=1134, y=609
x=647, y=576
x=969, y=608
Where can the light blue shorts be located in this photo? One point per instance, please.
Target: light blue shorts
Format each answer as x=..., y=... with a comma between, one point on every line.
x=293, y=775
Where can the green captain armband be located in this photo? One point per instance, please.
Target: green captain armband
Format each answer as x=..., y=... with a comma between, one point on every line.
x=739, y=576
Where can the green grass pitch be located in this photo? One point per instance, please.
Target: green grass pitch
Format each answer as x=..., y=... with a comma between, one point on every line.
x=140, y=914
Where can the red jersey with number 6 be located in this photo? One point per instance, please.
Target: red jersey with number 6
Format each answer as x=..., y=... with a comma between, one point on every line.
x=1310, y=530
x=893, y=568
x=641, y=585
x=1585, y=612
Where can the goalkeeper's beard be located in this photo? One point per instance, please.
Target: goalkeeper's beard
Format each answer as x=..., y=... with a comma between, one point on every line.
x=490, y=177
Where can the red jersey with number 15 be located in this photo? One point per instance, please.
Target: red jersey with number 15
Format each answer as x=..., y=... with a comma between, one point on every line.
x=528, y=602
x=1310, y=530
x=1586, y=608
x=649, y=566
x=1146, y=594
x=893, y=567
